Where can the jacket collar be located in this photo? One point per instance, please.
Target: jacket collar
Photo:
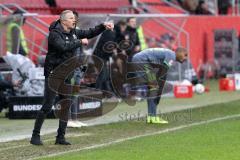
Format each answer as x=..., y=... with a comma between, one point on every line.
x=56, y=25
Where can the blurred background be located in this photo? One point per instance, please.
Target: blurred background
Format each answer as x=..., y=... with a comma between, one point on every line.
x=209, y=29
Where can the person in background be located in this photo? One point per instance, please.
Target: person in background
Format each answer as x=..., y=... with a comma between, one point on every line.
x=76, y=80
x=163, y=58
x=202, y=8
x=6, y=89
x=223, y=6
x=16, y=41
x=132, y=36
x=104, y=52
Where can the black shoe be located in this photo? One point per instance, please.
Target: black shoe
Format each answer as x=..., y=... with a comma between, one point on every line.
x=62, y=141
x=35, y=140
x=60, y=138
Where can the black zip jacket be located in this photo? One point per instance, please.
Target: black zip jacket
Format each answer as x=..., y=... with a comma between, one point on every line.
x=63, y=45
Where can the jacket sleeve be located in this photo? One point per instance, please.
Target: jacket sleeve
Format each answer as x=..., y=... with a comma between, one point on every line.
x=90, y=33
x=137, y=39
x=60, y=44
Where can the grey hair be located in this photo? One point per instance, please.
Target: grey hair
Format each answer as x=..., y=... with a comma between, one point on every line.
x=63, y=14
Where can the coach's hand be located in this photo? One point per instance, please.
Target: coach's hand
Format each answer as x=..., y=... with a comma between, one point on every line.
x=84, y=41
x=108, y=25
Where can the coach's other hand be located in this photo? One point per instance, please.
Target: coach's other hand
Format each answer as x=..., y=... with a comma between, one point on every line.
x=84, y=41
x=108, y=25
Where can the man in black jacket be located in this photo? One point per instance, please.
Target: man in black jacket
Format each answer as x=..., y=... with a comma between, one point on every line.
x=131, y=32
x=104, y=53
x=63, y=41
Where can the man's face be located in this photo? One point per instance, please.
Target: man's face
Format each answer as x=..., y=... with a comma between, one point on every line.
x=76, y=18
x=132, y=23
x=70, y=21
x=182, y=56
x=123, y=28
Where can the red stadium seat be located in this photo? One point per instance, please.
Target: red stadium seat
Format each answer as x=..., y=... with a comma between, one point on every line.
x=160, y=6
x=94, y=6
x=88, y=6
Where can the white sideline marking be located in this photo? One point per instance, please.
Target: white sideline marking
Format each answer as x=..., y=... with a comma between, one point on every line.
x=47, y=140
x=140, y=136
x=24, y=136
x=24, y=145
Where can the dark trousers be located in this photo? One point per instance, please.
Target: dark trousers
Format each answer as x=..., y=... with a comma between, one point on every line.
x=155, y=80
x=153, y=101
x=61, y=113
x=152, y=105
x=50, y=98
x=103, y=81
x=76, y=80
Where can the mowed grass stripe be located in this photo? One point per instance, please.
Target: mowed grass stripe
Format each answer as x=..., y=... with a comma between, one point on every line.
x=108, y=146
x=108, y=133
x=45, y=140
x=218, y=140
